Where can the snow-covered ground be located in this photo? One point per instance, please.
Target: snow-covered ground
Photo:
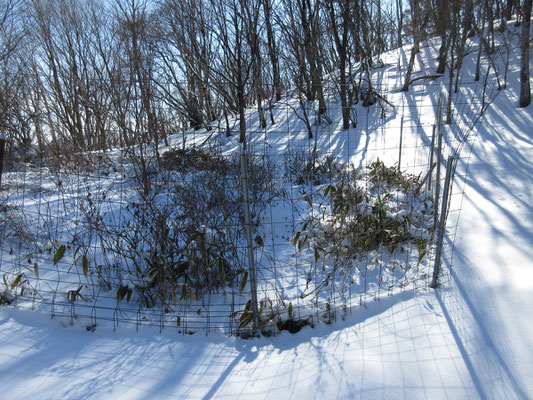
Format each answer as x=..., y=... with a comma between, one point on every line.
x=470, y=339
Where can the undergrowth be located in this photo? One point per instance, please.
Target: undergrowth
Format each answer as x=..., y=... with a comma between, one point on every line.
x=178, y=240
x=361, y=212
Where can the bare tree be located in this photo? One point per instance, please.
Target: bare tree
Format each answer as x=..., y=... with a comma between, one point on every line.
x=184, y=50
x=58, y=30
x=14, y=117
x=110, y=69
x=301, y=26
x=418, y=22
x=69, y=68
x=340, y=30
x=251, y=16
x=134, y=21
x=525, y=88
x=231, y=71
x=464, y=28
x=294, y=54
x=441, y=17
x=399, y=17
x=273, y=50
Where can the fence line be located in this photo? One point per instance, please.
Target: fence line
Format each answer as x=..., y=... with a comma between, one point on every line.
x=331, y=222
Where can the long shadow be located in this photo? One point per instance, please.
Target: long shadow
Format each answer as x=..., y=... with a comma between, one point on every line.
x=491, y=360
x=245, y=354
x=485, y=169
x=495, y=166
x=488, y=195
x=464, y=353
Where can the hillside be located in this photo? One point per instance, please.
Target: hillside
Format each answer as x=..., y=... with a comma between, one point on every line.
x=471, y=338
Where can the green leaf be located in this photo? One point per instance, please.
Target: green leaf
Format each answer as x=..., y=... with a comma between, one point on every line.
x=16, y=282
x=60, y=252
x=296, y=237
x=71, y=296
x=85, y=265
x=244, y=280
x=245, y=319
x=319, y=250
x=248, y=306
x=290, y=311
x=302, y=243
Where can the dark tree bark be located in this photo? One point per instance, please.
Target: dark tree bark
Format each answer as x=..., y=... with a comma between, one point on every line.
x=251, y=10
x=309, y=14
x=399, y=17
x=442, y=22
x=341, y=43
x=466, y=23
x=418, y=28
x=525, y=87
x=272, y=49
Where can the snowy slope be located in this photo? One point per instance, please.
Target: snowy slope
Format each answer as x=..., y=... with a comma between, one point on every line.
x=490, y=300
x=400, y=347
x=470, y=339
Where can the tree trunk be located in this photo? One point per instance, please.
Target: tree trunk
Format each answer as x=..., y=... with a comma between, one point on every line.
x=417, y=29
x=272, y=50
x=399, y=16
x=308, y=14
x=442, y=22
x=525, y=87
x=341, y=42
x=443, y=54
x=410, y=67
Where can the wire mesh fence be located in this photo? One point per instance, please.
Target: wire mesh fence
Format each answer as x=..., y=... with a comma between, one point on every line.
x=161, y=236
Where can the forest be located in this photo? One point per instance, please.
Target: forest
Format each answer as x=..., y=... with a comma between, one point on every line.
x=89, y=75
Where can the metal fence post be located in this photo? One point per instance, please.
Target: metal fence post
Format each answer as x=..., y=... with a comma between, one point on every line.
x=401, y=140
x=442, y=222
x=248, y=227
x=437, y=179
x=431, y=155
x=2, y=150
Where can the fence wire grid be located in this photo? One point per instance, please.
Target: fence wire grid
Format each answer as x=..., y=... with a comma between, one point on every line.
x=159, y=236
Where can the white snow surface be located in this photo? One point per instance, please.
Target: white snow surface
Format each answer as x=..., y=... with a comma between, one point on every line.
x=470, y=339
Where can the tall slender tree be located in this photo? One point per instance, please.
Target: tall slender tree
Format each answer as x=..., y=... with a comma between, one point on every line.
x=339, y=20
x=525, y=86
x=418, y=25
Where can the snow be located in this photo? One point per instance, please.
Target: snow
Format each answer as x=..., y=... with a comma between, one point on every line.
x=395, y=348
x=470, y=339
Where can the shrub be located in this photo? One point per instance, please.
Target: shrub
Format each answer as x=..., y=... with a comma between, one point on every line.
x=180, y=235
x=385, y=177
x=303, y=167
x=363, y=212
x=183, y=160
